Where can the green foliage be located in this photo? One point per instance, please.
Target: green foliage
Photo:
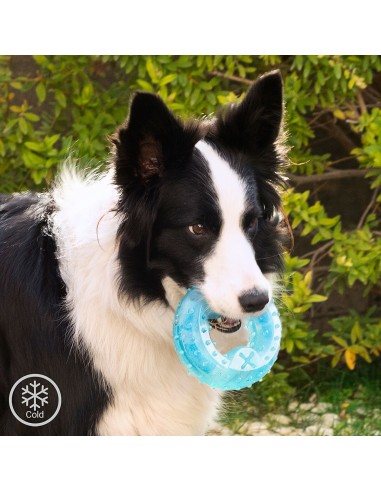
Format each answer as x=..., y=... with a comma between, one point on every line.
x=273, y=394
x=70, y=104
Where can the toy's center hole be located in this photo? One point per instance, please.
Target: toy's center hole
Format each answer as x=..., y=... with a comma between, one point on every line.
x=230, y=337
x=225, y=325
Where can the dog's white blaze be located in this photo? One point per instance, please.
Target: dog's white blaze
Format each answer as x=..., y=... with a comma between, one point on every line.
x=231, y=269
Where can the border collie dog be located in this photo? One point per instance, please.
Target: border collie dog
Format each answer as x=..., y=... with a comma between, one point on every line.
x=92, y=270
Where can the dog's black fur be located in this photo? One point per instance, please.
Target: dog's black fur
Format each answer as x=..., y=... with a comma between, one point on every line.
x=163, y=189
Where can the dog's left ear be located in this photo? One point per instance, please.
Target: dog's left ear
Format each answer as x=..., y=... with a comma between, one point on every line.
x=255, y=122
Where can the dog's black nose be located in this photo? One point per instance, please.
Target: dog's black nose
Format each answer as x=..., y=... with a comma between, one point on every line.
x=253, y=301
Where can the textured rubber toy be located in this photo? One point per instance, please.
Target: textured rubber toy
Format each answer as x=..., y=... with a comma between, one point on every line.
x=239, y=368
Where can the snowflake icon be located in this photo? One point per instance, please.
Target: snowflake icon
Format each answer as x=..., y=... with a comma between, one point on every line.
x=36, y=395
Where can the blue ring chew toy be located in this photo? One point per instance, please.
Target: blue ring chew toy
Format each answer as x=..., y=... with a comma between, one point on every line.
x=240, y=367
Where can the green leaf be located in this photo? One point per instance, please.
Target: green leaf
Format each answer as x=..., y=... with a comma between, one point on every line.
x=151, y=70
x=302, y=309
x=356, y=332
x=335, y=359
x=167, y=79
x=87, y=93
x=289, y=346
x=16, y=85
x=317, y=298
x=340, y=341
x=195, y=96
x=337, y=70
x=145, y=85
x=362, y=352
x=36, y=146
x=50, y=141
x=60, y=98
x=210, y=96
x=32, y=117
x=15, y=109
x=32, y=160
x=40, y=59
x=41, y=92
x=38, y=175
x=23, y=126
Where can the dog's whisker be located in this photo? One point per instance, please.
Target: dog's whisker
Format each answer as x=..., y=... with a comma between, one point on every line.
x=269, y=257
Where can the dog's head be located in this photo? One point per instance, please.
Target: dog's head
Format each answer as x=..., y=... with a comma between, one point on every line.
x=200, y=200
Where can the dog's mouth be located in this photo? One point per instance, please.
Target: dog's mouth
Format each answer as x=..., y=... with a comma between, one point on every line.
x=225, y=325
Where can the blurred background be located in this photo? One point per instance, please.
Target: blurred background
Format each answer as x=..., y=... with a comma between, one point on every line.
x=327, y=380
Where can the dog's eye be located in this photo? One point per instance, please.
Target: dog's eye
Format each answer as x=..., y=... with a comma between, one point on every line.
x=197, y=229
x=252, y=227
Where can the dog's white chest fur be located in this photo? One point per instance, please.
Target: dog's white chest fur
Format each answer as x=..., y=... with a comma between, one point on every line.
x=131, y=348
x=155, y=396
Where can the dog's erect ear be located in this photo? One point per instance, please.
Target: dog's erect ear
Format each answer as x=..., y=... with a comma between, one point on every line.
x=148, y=141
x=255, y=122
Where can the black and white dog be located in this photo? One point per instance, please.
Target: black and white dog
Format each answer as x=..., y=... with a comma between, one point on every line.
x=92, y=271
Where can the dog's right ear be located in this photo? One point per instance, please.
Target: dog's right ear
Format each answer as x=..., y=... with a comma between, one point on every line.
x=148, y=142
x=151, y=141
